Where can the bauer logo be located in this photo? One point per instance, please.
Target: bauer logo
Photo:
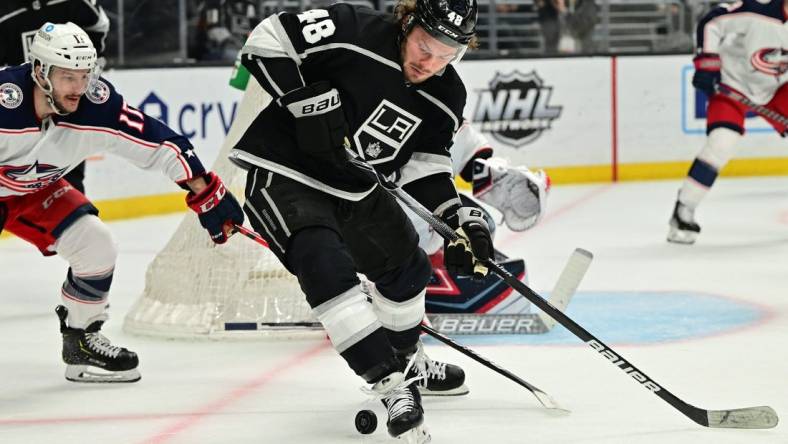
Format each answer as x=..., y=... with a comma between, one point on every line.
x=516, y=108
x=475, y=324
x=624, y=365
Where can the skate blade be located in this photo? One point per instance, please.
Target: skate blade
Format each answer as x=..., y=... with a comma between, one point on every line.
x=458, y=391
x=416, y=435
x=681, y=236
x=84, y=373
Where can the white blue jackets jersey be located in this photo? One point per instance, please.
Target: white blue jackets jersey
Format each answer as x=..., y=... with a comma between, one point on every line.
x=751, y=38
x=403, y=130
x=35, y=154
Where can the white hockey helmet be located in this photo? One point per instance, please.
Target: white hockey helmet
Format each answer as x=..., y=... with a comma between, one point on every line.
x=62, y=45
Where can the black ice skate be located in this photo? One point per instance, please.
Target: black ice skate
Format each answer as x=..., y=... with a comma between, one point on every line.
x=403, y=404
x=435, y=378
x=683, y=228
x=90, y=357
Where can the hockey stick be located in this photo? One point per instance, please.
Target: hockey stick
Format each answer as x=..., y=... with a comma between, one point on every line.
x=763, y=111
x=545, y=399
x=762, y=417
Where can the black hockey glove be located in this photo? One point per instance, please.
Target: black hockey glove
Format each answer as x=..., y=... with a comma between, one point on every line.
x=464, y=256
x=320, y=124
x=707, y=73
x=216, y=208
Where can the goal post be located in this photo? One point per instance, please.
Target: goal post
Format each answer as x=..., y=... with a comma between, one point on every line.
x=197, y=289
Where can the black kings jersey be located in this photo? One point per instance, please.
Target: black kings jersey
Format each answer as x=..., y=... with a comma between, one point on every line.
x=20, y=19
x=402, y=129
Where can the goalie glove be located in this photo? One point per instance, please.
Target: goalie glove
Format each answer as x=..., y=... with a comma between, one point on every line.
x=466, y=255
x=517, y=192
x=216, y=208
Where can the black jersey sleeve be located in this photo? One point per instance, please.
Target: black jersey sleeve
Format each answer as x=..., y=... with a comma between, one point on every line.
x=428, y=175
x=90, y=16
x=282, y=43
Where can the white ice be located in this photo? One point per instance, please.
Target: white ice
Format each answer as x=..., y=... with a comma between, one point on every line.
x=302, y=392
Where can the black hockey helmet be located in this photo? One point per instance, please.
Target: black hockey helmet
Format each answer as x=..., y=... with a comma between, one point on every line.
x=453, y=22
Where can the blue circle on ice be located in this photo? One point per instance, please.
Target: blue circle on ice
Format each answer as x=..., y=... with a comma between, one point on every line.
x=641, y=318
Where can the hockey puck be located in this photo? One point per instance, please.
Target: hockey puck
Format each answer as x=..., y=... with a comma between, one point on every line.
x=366, y=422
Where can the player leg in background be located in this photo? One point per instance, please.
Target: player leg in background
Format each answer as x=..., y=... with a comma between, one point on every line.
x=305, y=229
x=724, y=129
x=60, y=220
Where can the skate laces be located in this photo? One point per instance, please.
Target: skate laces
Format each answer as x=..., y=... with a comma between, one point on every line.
x=398, y=399
x=427, y=368
x=99, y=343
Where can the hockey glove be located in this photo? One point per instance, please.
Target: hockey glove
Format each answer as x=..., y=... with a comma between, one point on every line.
x=707, y=73
x=517, y=192
x=216, y=208
x=465, y=255
x=320, y=124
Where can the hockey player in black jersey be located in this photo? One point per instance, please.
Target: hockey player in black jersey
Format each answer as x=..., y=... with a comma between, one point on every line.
x=19, y=21
x=350, y=81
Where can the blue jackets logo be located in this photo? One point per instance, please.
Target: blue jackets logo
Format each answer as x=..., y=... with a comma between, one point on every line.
x=30, y=177
x=10, y=95
x=516, y=108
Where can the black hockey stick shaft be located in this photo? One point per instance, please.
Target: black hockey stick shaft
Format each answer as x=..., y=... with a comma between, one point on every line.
x=751, y=417
x=761, y=110
x=543, y=397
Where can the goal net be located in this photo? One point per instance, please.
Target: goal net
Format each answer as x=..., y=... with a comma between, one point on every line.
x=194, y=288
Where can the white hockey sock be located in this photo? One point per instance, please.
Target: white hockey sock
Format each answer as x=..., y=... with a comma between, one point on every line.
x=88, y=247
x=720, y=147
x=399, y=316
x=348, y=318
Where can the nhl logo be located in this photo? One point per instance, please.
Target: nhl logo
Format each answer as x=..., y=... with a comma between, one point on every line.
x=10, y=95
x=516, y=108
x=98, y=92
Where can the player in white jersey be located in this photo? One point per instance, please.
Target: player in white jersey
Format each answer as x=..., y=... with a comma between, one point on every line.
x=741, y=47
x=55, y=112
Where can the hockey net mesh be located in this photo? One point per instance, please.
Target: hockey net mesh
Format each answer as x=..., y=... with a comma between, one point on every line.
x=194, y=288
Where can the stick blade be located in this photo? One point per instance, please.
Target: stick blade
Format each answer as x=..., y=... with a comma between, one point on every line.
x=548, y=402
x=763, y=417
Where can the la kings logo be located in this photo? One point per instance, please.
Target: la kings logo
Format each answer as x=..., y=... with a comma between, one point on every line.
x=385, y=132
x=516, y=108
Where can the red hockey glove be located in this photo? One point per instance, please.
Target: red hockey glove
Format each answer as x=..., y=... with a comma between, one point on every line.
x=216, y=207
x=707, y=73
